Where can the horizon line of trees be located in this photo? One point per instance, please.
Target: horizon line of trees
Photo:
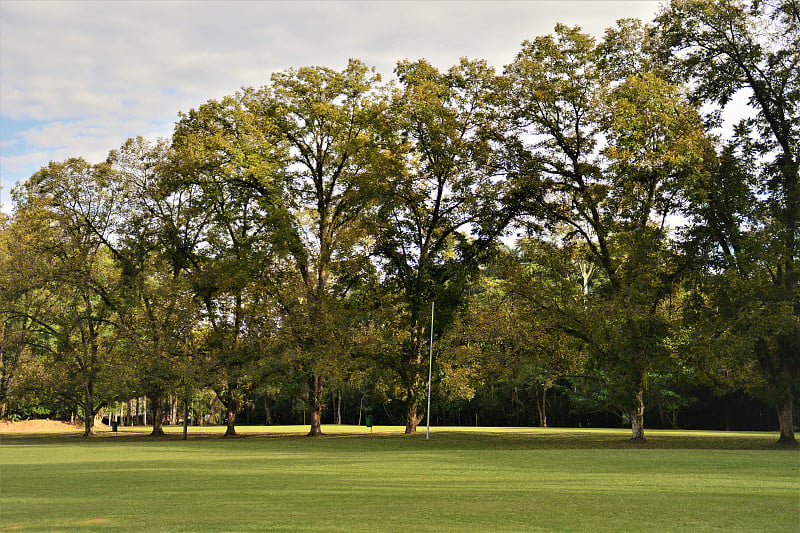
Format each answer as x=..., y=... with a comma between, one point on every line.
x=287, y=242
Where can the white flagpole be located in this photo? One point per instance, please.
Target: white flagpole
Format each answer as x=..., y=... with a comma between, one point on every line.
x=430, y=370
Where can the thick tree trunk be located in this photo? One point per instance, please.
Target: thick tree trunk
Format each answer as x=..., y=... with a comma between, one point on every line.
x=315, y=405
x=637, y=417
x=316, y=422
x=413, y=418
x=230, y=430
x=158, y=416
x=786, y=422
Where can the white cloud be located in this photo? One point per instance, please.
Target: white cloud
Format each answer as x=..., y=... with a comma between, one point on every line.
x=99, y=72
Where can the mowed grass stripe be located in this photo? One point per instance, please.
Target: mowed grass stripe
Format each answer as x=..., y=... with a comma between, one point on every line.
x=455, y=482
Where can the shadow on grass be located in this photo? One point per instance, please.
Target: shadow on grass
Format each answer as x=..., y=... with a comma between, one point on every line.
x=568, y=439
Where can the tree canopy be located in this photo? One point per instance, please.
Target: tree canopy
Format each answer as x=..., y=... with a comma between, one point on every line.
x=587, y=236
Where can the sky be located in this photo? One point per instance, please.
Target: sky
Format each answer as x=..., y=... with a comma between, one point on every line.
x=79, y=78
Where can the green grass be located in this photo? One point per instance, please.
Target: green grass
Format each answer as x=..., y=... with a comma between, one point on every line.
x=349, y=480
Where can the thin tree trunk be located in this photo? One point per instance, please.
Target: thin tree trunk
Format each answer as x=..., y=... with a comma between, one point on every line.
x=316, y=406
x=637, y=417
x=173, y=409
x=186, y=401
x=786, y=422
x=541, y=404
x=88, y=409
x=267, y=411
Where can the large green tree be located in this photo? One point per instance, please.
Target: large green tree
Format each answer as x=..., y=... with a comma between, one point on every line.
x=513, y=320
x=747, y=213
x=442, y=210
x=238, y=173
x=159, y=231
x=289, y=172
x=601, y=148
x=21, y=300
x=68, y=208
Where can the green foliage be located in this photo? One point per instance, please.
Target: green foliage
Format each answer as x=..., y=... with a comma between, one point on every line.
x=747, y=213
x=443, y=208
x=612, y=154
x=288, y=240
x=66, y=210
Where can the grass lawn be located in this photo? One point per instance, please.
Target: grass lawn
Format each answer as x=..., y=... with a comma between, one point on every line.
x=459, y=480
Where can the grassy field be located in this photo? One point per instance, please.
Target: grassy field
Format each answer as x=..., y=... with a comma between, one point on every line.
x=350, y=480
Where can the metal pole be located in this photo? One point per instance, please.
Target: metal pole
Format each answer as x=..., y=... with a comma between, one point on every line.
x=430, y=371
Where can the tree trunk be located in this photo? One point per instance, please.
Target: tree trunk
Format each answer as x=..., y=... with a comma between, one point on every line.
x=158, y=416
x=316, y=422
x=786, y=422
x=637, y=417
x=267, y=411
x=88, y=409
x=230, y=431
x=186, y=400
x=541, y=404
x=316, y=406
x=212, y=413
x=412, y=417
x=185, y=419
x=173, y=417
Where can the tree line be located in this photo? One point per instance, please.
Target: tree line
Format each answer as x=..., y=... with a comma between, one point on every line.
x=575, y=218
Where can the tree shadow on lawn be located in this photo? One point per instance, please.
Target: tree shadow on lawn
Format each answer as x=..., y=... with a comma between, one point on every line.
x=472, y=440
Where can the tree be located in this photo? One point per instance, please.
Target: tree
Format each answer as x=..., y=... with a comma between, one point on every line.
x=443, y=210
x=19, y=302
x=227, y=160
x=602, y=155
x=156, y=253
x=301, y=151
x=68, y=209
x=11, y=329
x=747, y=214
x=510, y=321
